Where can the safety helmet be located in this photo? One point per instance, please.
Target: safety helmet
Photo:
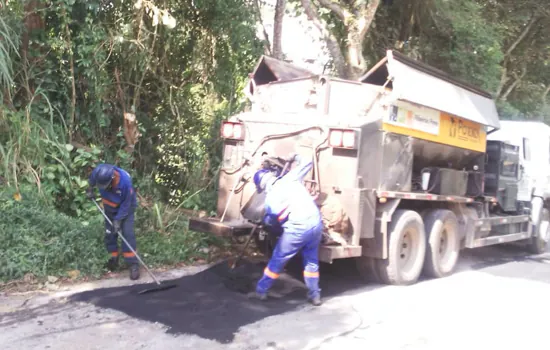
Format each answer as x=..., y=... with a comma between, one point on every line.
x=105, y=174
x=260, y=178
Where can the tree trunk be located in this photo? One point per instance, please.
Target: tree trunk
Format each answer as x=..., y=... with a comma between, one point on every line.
x=545, y=96
x=331, y=41
x=278, y=29
x=357, y=18
x=33, y=21
x=356, y=63
x=513, y=85
x=267, y=44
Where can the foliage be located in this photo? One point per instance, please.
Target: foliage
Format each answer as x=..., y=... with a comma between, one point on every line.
x=484, y=43
x=38, y=239
x=500, y=46
x=90, y=62
x=141, y=84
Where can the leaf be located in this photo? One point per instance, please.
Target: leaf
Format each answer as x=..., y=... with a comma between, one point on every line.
x=73, y=274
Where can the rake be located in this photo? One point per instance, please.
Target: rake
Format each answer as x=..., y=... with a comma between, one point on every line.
x=160, y=286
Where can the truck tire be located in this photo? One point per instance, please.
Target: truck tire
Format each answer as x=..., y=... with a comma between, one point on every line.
x=406, y=249
x=443, y=243
x=368, y=269
x=539, y=243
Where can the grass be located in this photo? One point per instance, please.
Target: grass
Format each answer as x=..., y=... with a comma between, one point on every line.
x=39, y=240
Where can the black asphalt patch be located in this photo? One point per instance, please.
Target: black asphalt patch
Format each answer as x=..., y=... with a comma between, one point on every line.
x=213, y=304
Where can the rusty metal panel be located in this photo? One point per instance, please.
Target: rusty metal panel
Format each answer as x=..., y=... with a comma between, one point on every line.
x=370, y=153
x=329, y=253
x=269, y=69
x=350, y=98
x=368, y=213
x=305, y=95
x=397, y=163
x=377, y=246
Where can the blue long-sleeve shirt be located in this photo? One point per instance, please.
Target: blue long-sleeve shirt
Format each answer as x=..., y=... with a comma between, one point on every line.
x=120, y=199
x=288, y=203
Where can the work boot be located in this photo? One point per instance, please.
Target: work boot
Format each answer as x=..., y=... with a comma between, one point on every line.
x=316, y=300
x=112, y=264
x=134, y=271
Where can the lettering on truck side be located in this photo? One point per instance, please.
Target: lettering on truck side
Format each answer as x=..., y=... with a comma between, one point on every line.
x=432, y=125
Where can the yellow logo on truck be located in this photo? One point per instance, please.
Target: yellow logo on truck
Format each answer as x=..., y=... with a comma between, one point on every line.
x=432, y=125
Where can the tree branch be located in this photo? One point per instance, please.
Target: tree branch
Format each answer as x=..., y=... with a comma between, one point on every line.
x=545, y=95
x=267, y=47
x=514, y=84
x=71, y=70
x=503, y=80
x=278, y=29
x=367, y=17
x=335, y=8
x=332, y=42
x=522, y=35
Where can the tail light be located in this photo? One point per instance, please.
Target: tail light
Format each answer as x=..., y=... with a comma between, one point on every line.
x=234, y=131
x=343, y=138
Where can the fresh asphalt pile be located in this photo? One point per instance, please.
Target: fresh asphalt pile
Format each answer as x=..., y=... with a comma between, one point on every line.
x=213, y=304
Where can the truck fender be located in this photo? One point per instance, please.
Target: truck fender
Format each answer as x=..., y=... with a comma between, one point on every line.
x=385, y=211
x=537, y=204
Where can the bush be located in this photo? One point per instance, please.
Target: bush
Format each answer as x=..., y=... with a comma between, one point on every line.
x=36, y=238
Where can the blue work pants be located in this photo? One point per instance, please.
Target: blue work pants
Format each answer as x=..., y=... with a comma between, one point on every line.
x=111, y=238
x=288, y=246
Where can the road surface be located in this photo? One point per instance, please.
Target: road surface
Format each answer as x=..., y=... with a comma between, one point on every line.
x=497, y=299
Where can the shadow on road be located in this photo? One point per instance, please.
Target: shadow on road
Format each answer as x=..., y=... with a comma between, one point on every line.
x=494, y=256
x=213, y=305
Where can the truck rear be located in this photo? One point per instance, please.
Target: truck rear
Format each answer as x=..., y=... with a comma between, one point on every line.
x=403, y=173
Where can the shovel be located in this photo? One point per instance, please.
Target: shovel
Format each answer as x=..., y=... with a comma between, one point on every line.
x=159, y=286
x=236, y=281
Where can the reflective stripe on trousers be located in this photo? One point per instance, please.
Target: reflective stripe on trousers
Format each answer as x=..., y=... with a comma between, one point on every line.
x=288, y=246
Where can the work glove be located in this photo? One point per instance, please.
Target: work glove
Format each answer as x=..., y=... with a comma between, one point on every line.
x=90, y=193
x=116, y=225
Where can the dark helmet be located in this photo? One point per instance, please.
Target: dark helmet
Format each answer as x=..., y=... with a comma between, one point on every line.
x=105, y=174
x=260, y=178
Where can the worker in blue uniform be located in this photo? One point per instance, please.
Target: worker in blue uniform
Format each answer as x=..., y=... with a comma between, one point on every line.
x=119, y=203
x=289, y=205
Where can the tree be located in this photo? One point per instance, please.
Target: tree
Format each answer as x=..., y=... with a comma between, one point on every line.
x=344, y=25
x=278, y=29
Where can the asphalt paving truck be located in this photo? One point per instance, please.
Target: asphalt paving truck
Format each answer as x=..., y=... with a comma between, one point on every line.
x=410, y=166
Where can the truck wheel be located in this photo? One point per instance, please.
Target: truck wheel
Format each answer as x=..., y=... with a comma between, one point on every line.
x=406, y=249
x=443, y=243
x=539, y=244
x=368, y=269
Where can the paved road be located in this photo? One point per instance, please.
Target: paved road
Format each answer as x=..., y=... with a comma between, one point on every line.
x=497, y=299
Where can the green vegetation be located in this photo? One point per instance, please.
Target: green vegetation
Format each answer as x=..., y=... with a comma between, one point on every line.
x=36, y=238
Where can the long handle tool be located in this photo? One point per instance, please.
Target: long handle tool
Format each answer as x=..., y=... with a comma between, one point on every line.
x=159, y=286
x=239, y=257
x=237, y=281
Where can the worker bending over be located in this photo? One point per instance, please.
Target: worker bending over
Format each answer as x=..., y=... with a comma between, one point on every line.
x=119, y=201
x=290, y=205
